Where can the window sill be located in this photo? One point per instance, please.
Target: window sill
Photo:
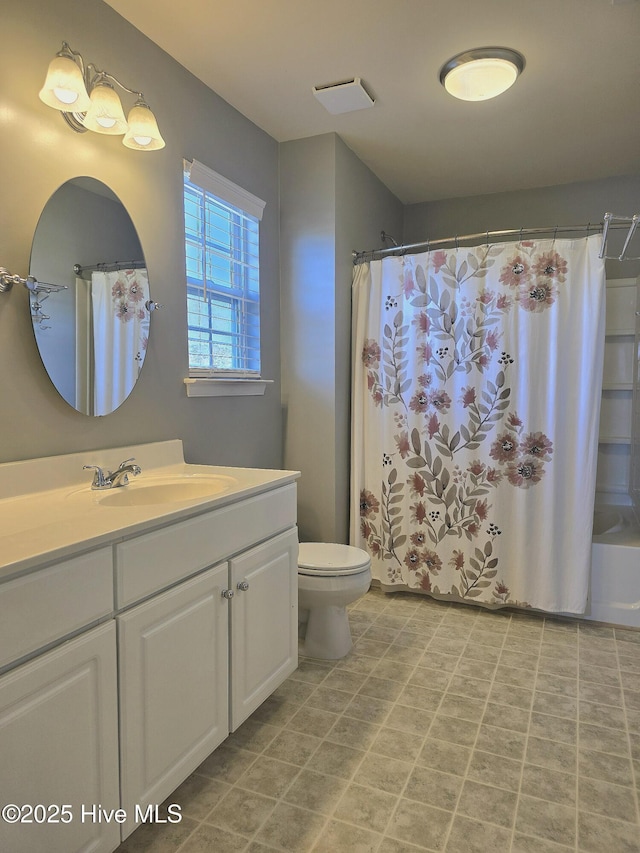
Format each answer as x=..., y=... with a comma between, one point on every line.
x=226, y=387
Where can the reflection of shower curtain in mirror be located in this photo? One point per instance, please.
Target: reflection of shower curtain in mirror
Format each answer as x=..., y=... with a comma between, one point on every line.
x=120, y=334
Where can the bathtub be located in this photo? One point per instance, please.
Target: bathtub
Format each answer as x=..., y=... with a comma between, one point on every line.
x=614, y=594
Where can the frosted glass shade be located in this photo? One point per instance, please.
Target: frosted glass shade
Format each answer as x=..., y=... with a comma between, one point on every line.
x=143, y=133
x=64, y=87
x=105, y=114
x=482, y=73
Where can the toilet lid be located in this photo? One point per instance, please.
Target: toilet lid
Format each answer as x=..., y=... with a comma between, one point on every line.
x=325, y=558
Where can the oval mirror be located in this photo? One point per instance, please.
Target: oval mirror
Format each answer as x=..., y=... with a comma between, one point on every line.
x=90, y=306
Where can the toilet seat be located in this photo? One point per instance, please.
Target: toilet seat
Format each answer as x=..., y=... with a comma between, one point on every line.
x=325, y=559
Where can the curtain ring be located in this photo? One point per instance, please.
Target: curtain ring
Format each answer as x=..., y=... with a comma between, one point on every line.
x=555, y=234
x=487, y=244
x=521, y=230
x=456, y=242
x=588, y=228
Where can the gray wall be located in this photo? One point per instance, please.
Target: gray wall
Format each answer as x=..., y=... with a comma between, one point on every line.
x=569, y=204
x=307, y=204
x=331, y=204
x=39, y=153
x=364, y=208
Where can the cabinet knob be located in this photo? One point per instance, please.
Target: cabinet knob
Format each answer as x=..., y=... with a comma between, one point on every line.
x=227, y=593
x=243, y=586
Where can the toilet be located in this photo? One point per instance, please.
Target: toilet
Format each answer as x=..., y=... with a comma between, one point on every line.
x=330, y=577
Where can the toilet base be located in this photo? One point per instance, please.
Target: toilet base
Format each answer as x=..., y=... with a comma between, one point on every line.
x=328, y=635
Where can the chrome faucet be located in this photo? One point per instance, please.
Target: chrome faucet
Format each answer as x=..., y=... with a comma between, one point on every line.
x=113, y=479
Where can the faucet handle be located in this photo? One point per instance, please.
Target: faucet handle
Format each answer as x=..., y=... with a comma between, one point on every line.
x=126, y=462
x=134, y=469
x=99, y=479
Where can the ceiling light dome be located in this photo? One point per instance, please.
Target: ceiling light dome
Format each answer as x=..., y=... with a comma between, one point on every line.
x=481, y=73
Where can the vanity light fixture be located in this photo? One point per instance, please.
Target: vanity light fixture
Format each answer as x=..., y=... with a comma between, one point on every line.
x=87, y=99
x=481, y=73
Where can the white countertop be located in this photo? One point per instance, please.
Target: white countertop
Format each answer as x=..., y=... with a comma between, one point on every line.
x=41, y=526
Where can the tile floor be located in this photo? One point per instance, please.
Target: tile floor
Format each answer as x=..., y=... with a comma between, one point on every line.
x=448, y=728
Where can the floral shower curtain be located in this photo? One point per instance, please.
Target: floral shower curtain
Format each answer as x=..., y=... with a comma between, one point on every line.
x=477, y=381
x=120, y=334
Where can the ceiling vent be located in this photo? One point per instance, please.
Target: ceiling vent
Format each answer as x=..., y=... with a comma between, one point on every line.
x=344, y=97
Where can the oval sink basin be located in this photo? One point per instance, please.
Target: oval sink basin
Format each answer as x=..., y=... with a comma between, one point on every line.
x=173, y=491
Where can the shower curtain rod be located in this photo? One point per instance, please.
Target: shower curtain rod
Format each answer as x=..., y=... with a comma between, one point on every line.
x=602, y=227
x=110, y=267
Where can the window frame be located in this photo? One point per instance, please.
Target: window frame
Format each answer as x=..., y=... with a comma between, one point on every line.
x=248, y=209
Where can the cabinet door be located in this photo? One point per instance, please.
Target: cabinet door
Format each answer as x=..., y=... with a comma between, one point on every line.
x=174, y=669
x=59, y=746
x=264, y=622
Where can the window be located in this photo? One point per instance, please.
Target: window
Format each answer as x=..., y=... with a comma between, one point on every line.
x=223, y=279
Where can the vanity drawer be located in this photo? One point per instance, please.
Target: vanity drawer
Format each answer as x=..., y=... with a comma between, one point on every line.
x=39, y=608
x=157, y=560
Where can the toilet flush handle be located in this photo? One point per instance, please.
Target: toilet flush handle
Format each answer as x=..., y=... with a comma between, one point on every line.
x=243, y=586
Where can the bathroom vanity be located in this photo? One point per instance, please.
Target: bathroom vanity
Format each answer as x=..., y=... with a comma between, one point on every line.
x=138, y=627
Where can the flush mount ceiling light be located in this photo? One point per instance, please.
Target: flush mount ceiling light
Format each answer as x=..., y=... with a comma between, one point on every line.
x=481, y=73
x=87, y=99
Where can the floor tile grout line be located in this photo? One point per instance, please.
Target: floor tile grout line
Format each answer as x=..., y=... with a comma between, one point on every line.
x=634, y=778
x=526, y=739
x=331, y=813
x=328, y=817
x=472, y=749
x=425, y=737
x=277, y=800
x=383, y=834
x=389, y=712
x=253, y=836
x=578, y=704
x=329, y=775
x=415, y=667
x=492, y=681
x=203, y=821
x=476, y=624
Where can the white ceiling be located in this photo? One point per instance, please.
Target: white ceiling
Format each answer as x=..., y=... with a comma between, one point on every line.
x=573, y=115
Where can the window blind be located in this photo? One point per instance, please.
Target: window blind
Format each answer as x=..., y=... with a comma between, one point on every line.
x=223, y=281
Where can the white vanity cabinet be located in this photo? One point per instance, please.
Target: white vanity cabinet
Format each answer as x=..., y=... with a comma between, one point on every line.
x=264, y=623
x=59, y=747
x=196, y=659
x=174, y=672
x=127, y=656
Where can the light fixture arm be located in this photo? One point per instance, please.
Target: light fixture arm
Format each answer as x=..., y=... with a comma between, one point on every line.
x=93, y=76
x=91, y=73
x=67, y=50
x=104, y=75
x=87, y=98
